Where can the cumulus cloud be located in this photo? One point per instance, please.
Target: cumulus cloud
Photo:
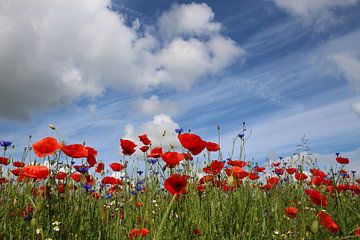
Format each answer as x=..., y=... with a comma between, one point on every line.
x=56, y=52
x=160, y=130
x=153, y=106
x=319, y=12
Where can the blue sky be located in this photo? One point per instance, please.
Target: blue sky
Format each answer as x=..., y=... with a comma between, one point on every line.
x=116, y=69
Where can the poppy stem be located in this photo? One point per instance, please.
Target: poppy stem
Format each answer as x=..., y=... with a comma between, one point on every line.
x=163, y=220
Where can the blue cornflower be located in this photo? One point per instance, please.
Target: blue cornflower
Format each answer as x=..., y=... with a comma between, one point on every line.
x=140, y=172
x=133, y=192
x=83, y=169
x=138, y=188
x=156, y=172
x=152, y=161
x=87, y=187
x=353, y=172
x=179, y=130
x=108, y=195
x=140, y=182
x=5, y=143
x=72, y=162
x=337, y=154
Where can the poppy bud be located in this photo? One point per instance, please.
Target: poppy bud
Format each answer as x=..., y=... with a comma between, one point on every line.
x=230, y=181
x=52, y=126
x=314, y=227
x=33, y=222
x=15, y=202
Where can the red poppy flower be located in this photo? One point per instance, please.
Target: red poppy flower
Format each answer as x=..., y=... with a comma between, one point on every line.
x=45, y=147
x=144, y=139
x=197, y=232
x=318, y=173
x=75, y=150
x=300, y=176
x=276, y=164
x=279, y=171
x=37, y=172
x=61, y=175
x=135, y=232
x=172, y=158
x=155, y=153
x=273, y=180
x=342, y=160
x=4, y=161
x=200, y=188
x=357, y=231
x=291, y=212
x=18, y=164
x=267, y=186
x=253, y=176
x=259, y=169
x=176, y=184
x=328, y=222
x=91, y=151
x=76, y=177
x=316, y=197
x=61, y=187
x=116, y=166
x=15, y=171
x=192, y=142
x=128, y=147
x=110, y=180
x=187, y=156
x=3, y=180
x=100, y=167
x=291, y=170
x=91, y=160
x=317, y=180
x=144, y=148
x=237, y=163
x=90, y=180
x=207, y=178
x=237, y=172
x=212, y=147
x=214, y=168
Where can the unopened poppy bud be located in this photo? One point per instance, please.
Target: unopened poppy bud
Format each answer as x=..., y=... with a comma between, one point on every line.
x=52, y=126
x=33, y=222
x=230, y=181
x=172, y=145
x=314, y=227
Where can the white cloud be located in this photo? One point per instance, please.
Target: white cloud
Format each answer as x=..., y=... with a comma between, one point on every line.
x=349, y=65
x=319, y=12
x=153, y=106
x=356, y=107
x=155, y=129
x=56, y=52
x=190, y=19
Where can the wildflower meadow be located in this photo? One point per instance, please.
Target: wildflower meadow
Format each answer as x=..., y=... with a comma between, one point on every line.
x=60, y=190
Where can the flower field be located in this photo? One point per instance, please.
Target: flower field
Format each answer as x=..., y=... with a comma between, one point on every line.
x=62, y=191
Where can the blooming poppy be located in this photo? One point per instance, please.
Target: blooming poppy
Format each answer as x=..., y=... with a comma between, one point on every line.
x=18, y=164
x=237, y=163
x=328, y=222
x=111, y=180
x=276, y=164
x=3, y=180
x=300, y=176
x=144, y=139
x=135, y=232
x=291, y=212
x=128, y=147
x=317, y=180
x=45, y=147
x=316, y=197
x=61, y=175
x=144, y=148
x=91, y=160
x=155, y=153
x=100, y=167
x=357, y=231
x=342, y=160
x=259, y=169
x=34, y=171
x=253, y=176
x=76, y=177
x=176, y=184
x=207, y=178
x=212, y=147
x=91, y=151
x=273, y=180
x=75, y=150
x=214, y=168
x=279, y=171
x=116, y=166
x=16, y=171
x=318, y=173
x=192, y=142
x=197, y=232
x=291, y=170
x=4, y=161
x=172, y=158
x=236, y=172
